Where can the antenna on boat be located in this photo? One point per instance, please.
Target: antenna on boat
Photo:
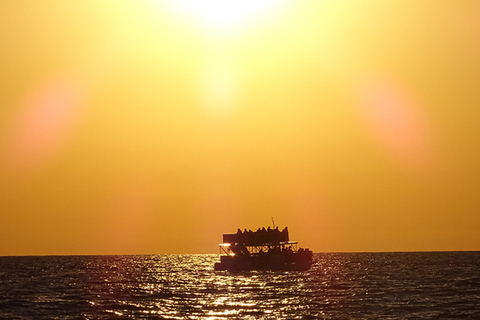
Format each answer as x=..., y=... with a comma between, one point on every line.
x=273, y=223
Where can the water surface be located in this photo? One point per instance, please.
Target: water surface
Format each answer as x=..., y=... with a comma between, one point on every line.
x=338, y=286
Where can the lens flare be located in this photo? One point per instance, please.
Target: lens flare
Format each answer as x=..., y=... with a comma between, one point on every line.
x=220, y=89
x=394, y=116
x=45, y=120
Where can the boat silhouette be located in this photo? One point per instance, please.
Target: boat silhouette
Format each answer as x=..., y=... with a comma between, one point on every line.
x=264, y=249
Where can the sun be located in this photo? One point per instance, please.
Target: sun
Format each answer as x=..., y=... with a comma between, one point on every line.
x=224, y=17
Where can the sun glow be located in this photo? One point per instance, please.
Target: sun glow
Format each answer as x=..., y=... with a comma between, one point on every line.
x=225, y=17
x=224, y=21
x=220, y=88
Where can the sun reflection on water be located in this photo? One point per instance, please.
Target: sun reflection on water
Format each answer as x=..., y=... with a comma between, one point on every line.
x=176, y=287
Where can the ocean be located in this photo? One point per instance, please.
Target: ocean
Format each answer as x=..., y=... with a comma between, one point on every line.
x=414, y=285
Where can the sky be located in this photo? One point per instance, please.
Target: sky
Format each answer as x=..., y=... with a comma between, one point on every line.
x=152, y=127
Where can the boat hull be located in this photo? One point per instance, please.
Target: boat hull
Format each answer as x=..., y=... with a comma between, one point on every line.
x=294, y=262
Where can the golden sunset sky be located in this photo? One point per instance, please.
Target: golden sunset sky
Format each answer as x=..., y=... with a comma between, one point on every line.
x=131, y=127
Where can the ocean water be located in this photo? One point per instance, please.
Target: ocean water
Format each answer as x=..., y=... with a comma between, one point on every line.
x=419, y=285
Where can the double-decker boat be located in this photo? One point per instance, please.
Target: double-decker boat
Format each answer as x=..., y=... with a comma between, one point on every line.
x=264, y=249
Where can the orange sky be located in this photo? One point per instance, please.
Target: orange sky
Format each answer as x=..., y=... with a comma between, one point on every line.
x=154, y=127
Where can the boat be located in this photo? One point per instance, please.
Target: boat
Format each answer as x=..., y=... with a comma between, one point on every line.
x=264, y=249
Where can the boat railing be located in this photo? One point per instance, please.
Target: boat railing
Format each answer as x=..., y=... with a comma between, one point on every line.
x=242, y=249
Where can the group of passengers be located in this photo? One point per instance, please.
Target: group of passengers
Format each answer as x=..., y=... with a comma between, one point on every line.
x=242, y=250
x=278, y=249
x=283, y=249
x=263, y=230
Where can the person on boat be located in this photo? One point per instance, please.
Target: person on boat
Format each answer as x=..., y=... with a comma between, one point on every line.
x=239, y=231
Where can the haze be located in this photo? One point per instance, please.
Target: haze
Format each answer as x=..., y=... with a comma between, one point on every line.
x=131, y=127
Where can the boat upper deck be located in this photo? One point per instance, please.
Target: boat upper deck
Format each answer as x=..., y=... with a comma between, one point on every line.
x=257, y=238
